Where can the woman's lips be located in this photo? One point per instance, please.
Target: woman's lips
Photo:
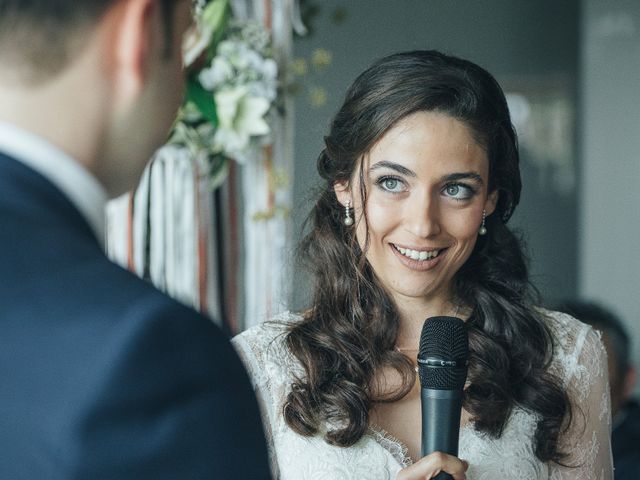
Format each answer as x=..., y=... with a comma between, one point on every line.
x=426, y=259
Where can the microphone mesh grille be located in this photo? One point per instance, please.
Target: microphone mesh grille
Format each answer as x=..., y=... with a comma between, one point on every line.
x=444, y=338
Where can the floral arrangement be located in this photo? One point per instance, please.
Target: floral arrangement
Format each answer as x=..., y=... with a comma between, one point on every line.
x=231, y=89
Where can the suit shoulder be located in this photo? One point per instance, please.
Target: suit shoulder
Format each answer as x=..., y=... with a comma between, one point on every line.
x=134, y=295
x=136, y=318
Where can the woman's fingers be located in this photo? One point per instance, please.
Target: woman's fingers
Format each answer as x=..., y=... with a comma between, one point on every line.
x=432, y=465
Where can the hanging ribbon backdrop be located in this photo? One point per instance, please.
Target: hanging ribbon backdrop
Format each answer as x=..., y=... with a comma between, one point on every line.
x=225, y=250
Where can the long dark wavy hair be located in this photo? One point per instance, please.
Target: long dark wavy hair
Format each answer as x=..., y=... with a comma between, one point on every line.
x=350, y=331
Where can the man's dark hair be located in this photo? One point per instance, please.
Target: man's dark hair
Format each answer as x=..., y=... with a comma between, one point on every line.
x=39, y=37
x=608, y=323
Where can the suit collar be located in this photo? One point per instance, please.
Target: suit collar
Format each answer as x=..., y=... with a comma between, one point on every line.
x=81, y=188
x=27, y=193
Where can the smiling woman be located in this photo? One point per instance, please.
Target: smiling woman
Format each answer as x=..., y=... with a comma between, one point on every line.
x=424, y=208
x=424, y=151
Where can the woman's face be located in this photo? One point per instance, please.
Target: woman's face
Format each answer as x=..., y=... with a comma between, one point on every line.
x=426, y=181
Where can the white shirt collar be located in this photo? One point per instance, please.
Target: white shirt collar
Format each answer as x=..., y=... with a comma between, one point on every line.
x=80, y=186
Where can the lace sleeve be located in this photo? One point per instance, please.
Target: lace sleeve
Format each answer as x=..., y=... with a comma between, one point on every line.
x=588, y=439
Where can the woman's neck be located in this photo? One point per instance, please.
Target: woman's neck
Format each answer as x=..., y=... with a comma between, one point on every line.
x=413, y=312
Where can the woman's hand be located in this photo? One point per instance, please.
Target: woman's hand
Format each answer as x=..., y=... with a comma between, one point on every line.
x=432, y=465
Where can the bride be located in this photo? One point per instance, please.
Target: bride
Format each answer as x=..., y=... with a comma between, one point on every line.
x=421, y=175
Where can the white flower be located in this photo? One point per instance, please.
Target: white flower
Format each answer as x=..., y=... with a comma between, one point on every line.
x=219, y=73
x=253, y=59
x=269, y=69
x=263, y=89
x=240, y=117
x=226, y=48
x=241, y=57
x=241, y=78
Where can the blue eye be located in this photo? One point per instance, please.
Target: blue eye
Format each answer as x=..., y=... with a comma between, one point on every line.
x=391, y=184
x=459, y=191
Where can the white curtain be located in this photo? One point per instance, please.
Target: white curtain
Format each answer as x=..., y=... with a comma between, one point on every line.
x=179, y=234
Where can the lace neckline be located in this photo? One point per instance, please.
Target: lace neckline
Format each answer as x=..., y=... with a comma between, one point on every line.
x=391, y=444
x=396, y=447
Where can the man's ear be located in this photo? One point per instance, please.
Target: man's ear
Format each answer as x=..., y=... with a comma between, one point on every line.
x=343, y=193
x=491, y=202
x=131, y=28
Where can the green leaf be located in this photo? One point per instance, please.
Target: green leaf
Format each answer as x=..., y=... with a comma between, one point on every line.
x=222, y=16
x=203, y=99
x=215, y=15
x=222, y=27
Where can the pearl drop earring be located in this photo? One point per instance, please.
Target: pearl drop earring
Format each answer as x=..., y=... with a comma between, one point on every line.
x=483, y=228
x=348, y=219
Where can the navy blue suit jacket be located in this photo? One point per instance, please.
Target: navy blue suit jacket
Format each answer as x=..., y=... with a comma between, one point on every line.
x=101, y=375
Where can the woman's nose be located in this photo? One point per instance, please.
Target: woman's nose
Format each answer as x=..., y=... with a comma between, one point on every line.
x=423, y=217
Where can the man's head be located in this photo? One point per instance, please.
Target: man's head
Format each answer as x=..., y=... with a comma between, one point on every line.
x=616, y=341
x=101, y=79
x=38, y=38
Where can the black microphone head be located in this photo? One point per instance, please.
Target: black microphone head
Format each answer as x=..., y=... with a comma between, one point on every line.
x=444, y=353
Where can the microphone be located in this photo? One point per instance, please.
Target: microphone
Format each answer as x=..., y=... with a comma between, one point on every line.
x=443, y=358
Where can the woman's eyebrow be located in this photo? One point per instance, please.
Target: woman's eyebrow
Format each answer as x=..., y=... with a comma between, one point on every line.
x=452, y=177
x=393, y=166
x=463, y=176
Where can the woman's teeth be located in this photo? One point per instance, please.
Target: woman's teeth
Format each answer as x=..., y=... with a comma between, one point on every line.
x=416, y=255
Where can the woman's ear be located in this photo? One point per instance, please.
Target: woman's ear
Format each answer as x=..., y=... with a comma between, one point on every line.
x=491, y=202
x=343, y=193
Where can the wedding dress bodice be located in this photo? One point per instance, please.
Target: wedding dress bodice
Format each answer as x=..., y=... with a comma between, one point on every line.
x=579, y=360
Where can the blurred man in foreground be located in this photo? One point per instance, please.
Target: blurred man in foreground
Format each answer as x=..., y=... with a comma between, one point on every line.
x=103, y=376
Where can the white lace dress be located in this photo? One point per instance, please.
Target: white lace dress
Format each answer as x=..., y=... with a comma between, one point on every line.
x=579, y=359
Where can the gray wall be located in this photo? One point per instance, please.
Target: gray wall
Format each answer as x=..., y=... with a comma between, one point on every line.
x=530, y=45
x=610, y=169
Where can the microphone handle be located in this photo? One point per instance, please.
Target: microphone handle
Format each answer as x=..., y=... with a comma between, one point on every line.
x=440, y=423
